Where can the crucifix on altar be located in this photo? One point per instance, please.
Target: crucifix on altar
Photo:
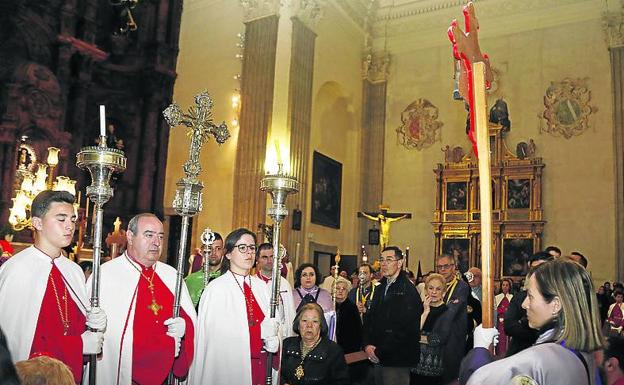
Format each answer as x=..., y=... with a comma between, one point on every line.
x=384, y=219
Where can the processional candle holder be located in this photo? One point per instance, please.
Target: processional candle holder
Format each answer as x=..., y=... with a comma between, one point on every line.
x=102, y=162
x=278, y=186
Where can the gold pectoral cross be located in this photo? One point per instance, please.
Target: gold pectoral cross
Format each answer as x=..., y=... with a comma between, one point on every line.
x=154, y=307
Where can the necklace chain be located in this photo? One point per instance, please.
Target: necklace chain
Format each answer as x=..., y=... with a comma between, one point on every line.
x=155, y=307
x=299, y=372
x=248, y=302
x=65, y=317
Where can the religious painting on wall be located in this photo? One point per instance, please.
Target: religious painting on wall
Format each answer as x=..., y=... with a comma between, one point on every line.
x=459, y=248
x=516, y=253
x=420, y=126
x=456, y=195
x=326, y=191
x=519, y=193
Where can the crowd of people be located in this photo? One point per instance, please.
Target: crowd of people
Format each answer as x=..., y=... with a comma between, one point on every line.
x=379, y=325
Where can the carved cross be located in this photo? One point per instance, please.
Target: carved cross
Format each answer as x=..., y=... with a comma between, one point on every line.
x=201, y=126
x=466, y=51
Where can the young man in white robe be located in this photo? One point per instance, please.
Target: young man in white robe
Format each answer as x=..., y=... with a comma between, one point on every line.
x=286, y=308
x=143, y=343
x=43, y=302
x=234, y=329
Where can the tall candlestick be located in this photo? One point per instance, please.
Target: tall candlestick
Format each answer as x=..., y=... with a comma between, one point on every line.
x=102, y=120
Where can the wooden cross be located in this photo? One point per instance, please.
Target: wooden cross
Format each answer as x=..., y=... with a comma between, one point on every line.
x=474, y=77
x=384, y=218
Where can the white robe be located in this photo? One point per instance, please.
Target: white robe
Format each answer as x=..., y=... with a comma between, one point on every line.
x=287, y=311
x=222, y=355
x=23, y=282
x=118, y=285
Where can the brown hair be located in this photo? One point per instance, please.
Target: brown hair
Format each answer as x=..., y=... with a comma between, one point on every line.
x=44, y=370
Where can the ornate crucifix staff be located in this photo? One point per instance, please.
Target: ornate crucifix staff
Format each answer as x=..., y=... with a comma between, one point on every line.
x=207, y=239
x=475, y=76
x=188, y=198
x=101, y=162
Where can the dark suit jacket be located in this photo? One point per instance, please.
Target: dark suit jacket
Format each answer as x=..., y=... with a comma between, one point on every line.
x=393, y=323
x=455, y=346
x=517, y=326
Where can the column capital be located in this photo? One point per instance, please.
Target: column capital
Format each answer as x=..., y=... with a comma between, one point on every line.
x=613, y=27
x=310, y=12
x=375, y=67
x=256, y=9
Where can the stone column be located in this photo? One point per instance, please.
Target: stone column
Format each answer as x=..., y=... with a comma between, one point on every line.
x=372, y=142
x=258, y=74
x=299, y=121
x=613, y=24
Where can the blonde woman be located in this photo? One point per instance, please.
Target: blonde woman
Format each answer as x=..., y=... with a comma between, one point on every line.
x=435, y=323
x=561, y=304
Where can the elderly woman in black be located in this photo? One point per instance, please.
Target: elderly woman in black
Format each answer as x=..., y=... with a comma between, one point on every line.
x=310, y=357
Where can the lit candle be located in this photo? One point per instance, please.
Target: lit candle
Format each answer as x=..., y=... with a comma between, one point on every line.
x=102, y=120
x=297, y=251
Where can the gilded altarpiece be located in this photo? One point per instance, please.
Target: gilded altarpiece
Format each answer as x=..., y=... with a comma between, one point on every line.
x=517, y=213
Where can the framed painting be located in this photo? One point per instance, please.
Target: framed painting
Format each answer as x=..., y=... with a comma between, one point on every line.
x=459, y=248
x=516, y=253
x=456, y=195
x=326, y=191
x=519, y=193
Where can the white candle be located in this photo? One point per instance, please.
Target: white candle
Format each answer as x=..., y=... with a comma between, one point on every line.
x=297, y=251
x=102, y=120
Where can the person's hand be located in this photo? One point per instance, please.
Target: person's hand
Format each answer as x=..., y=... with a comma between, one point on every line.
x=370, y=352
x=427, y=304
x=268, y=328
x=96, y=319
x=176, y=327
x=271, y=344
x=484, y=337
x=361, y=307
x=92, y=342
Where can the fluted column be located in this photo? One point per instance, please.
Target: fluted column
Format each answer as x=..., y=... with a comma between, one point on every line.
x=299, y=119
x=258, y=75
x=613, y=23
x=372, y=142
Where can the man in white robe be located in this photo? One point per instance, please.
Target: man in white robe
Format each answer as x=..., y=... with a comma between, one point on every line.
x=35, y=313
x=286, y=308
x=127, y=281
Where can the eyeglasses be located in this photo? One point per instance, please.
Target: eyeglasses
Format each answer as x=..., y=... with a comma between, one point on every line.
x=445, y=267
x=387, y=260
x=246, y=248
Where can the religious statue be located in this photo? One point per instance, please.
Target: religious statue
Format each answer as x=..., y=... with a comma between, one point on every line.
x=499, y=114
x=384, y=218
x=116, y=241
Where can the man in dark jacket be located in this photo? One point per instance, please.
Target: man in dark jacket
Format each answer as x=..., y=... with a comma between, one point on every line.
x=516, y=322
x=457, y=292
x=392, y=326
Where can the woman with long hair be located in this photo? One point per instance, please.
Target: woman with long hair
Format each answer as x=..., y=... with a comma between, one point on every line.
x=234, y=328
x=561, y=304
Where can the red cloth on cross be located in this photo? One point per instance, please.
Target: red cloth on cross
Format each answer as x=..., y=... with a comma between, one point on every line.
x=153, y=350
x=49, y=338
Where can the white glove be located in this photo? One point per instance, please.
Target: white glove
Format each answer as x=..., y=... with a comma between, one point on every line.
x=96, y=319
x=271, y=344
x=178, y=343
x=176, y=327
x=484, y=337
x=269, y=328
x=92, y=342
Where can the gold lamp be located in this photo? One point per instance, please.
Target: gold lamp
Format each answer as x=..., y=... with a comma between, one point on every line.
x=33, y=184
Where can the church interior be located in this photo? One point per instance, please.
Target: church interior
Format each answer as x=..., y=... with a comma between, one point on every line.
x=353, y=98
